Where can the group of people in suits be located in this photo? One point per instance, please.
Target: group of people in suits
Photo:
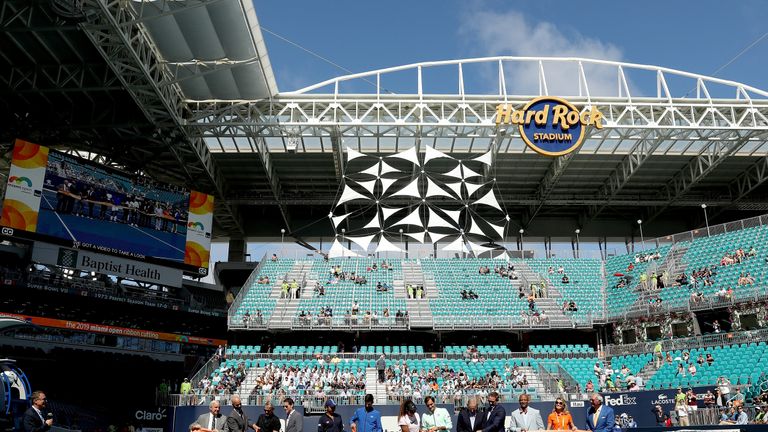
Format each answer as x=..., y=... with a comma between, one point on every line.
x=524, y=419
x=238, y=421
x=600, y=418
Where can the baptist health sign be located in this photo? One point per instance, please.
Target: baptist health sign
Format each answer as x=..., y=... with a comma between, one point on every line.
x=92, y=262
x=549, y=125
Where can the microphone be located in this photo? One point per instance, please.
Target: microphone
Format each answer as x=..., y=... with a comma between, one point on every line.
x=49, y=416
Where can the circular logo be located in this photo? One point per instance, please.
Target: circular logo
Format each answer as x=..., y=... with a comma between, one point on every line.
x=552, y=126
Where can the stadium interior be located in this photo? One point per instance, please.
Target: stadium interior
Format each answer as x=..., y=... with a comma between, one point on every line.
x=637, y=262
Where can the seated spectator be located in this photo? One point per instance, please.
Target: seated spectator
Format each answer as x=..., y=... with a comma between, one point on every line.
x=710, y=359
x=274, y=257
x=472, y=295
x=722, y=293
x=560, y=270
x=565, y=279
x=630, y=267
x=464, y=294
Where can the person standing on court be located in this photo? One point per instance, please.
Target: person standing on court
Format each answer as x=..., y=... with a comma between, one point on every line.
x=525, y=418
x=435, y=419
x=294, y=422
x=366, y=419
x=600, y=418
x=213, y=420
x=238, y=419
x=560, y=418
x=37, y=418
x=494, y=418
x=381, y=365
x=469, y=419
x=268, y=422
x=330, y=421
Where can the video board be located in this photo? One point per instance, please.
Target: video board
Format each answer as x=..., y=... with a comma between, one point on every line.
x=71, y=201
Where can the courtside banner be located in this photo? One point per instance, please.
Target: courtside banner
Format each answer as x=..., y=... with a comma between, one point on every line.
x=25, y=186
x=198, y=247
x=115, y=331
x=105, y=264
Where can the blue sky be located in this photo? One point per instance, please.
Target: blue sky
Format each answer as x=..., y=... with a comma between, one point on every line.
x=692, y=36
x=697, y=37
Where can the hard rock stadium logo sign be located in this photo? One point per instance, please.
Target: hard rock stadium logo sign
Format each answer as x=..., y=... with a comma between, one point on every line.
x=549, y=125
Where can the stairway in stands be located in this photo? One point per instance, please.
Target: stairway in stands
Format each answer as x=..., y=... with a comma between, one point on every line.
x=533, y=379
x=553, y=303
x=249, y=383
x=285, y=309
x=672, y=264
x=418, y=310
x=372, y=386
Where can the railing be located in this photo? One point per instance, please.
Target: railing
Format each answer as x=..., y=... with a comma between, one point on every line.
x=206, y=370
x=743, y=294
x=358, y=322
x=248, y=283
x=509, y=322
x=690, y=342
x=711, y=416
x=692, y=235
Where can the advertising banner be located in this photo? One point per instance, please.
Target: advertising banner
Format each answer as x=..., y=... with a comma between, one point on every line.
x=197, y=250
x=89, y=261
x=25, y=186
x=115, y=331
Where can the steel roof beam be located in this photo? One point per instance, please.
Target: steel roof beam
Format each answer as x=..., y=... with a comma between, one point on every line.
x=60, y=77
x=749, y=180
x=510, y=203
x=627, y=168
x=135, y=60
x=697, y=169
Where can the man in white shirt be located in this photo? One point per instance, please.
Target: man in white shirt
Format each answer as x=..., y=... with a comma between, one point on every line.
x=525, y=418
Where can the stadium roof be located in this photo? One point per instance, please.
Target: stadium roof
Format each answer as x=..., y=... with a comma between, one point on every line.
x=183, y=91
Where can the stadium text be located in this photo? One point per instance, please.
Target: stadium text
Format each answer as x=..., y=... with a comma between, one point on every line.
x=549, y=125
x=113, y=267
x=563, y=116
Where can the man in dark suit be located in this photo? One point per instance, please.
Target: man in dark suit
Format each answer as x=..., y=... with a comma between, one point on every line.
x=494, y=418
x=213, y=420
x=469, y=419
x=238, y=420
x=600, y=418
x=37, y=418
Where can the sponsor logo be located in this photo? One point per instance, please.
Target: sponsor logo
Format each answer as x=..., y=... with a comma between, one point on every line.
x=150, y=415
x=550, y=126
x=621, y=400
x=7, y=231
x=663, y=399
x=202, y=271
x=577, y=404
x=20, y=181
x=197, y=226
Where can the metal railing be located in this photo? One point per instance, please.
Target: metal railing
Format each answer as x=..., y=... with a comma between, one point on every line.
x=358, y=322
x=688, y=236
x=714, y=339
x=743, y=294
x=248, y=283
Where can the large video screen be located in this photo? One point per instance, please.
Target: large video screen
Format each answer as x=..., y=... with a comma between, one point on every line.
x=55, y=196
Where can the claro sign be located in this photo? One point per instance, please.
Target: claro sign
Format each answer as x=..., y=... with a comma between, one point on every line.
x=549, y=125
